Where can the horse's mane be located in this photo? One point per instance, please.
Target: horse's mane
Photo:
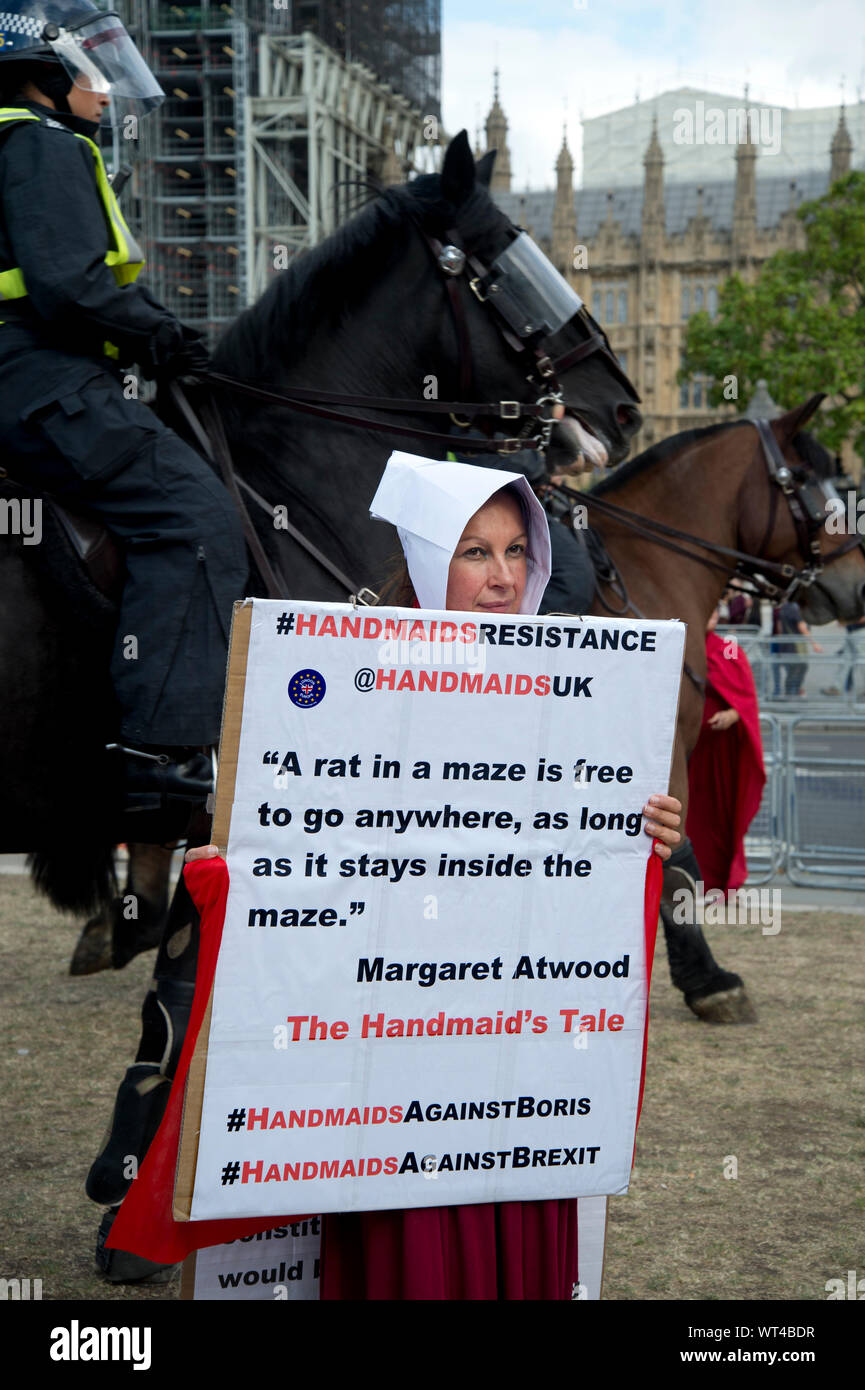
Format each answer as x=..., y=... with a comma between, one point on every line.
x=657, y=453
x=812, y=454
x=327, y=280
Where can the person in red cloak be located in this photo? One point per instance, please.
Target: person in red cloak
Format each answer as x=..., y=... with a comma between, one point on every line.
x=495, y=561
x=726, y=775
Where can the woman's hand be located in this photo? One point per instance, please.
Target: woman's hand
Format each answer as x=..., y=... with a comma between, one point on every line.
x=724, y=719
x=665, y=816
x=201, y=852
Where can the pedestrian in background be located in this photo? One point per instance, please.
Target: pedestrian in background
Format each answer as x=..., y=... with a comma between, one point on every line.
x=792, y=635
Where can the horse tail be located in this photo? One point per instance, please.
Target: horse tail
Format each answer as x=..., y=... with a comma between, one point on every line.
x=75, y=877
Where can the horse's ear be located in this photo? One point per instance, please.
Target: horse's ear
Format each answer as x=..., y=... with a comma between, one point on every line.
x=458, y=170
x=797, y=419
x=484, y=167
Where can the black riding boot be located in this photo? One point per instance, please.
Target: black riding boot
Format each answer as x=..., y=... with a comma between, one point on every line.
x=144, y=1091
x=713, y=994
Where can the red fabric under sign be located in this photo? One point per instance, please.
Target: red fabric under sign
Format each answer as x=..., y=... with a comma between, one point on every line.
x=512, y=1250
x=726, y=775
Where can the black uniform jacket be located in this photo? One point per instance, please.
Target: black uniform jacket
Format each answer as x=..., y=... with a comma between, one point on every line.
x=52, y=227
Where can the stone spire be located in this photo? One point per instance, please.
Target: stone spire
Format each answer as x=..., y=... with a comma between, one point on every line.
x=479, y=149
x=564, y=213
x=497, y=139
x=745, y=197
x=653, y=188
x=841, y=149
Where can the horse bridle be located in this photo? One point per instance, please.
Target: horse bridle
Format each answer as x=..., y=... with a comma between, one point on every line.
x=455, y=262
x=808, y=501
x=536, y=416
x=809, y=516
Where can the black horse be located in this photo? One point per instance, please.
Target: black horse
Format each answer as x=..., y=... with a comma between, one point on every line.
x=367, y=313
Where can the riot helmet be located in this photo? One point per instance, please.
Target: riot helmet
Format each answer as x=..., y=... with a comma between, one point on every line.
x=90, y=47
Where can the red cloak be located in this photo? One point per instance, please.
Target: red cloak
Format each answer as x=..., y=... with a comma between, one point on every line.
x=511, y=1250
x=726, y=775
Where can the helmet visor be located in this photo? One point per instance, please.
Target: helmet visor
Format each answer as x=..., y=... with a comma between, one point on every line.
x=100, y=57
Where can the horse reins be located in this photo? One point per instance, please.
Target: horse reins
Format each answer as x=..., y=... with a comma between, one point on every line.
x=454, y=261
x=752, y=569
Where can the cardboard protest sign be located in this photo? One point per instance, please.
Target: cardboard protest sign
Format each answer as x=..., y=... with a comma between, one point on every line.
x=280, y=1265
x=283, y=1264
x=432, y=983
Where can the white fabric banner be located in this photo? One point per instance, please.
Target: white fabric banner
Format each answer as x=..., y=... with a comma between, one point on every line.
x=431, y=988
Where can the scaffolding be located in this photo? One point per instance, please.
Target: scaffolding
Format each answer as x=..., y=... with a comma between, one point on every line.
x=189, y=179
x=320, y=127
x=200, y=173
x=399, y=39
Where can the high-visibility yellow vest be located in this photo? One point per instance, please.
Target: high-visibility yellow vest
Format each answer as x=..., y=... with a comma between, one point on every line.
x=124, y=255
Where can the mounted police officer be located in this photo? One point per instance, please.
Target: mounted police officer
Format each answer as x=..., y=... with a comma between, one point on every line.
x=72, y=314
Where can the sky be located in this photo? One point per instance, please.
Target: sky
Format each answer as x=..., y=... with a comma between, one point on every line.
x=560, y=59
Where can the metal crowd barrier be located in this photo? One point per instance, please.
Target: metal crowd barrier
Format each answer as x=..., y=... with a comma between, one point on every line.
x=826, y=801
x=811, y=821
x=790, y=680
x=765, y=843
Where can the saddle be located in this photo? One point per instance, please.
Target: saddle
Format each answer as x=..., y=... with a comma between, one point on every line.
x=77, y=550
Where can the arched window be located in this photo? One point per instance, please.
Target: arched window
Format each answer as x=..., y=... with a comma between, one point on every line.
x=686, y=301
x=623, y=306
x=684, y=400
x=713, y=301
x=698, y=298
x=596, y=304
x=609, y=306
x=698, y=394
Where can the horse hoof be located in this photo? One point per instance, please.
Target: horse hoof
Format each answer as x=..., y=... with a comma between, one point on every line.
x=93, y=950
x=121, y=1266
x=727, y=1005
x=110, y=942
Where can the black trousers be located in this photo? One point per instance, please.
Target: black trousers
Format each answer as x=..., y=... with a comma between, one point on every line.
x=185, y=554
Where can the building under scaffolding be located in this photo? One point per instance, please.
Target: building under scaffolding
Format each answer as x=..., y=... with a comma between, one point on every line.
x=320, y=128
x=246, y=161
x=400, y=41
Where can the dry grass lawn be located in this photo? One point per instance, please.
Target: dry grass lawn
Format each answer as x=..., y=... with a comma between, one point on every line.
x=783, y=1098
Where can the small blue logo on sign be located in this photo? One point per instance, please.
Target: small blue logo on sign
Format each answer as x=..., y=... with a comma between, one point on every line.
x=306, y=688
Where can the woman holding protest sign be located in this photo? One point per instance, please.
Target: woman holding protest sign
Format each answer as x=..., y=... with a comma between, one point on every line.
x=475, y=540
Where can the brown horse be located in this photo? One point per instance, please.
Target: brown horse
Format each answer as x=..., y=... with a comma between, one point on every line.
x=714, y=485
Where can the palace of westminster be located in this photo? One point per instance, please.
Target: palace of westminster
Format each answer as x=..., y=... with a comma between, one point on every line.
x=650, y=253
